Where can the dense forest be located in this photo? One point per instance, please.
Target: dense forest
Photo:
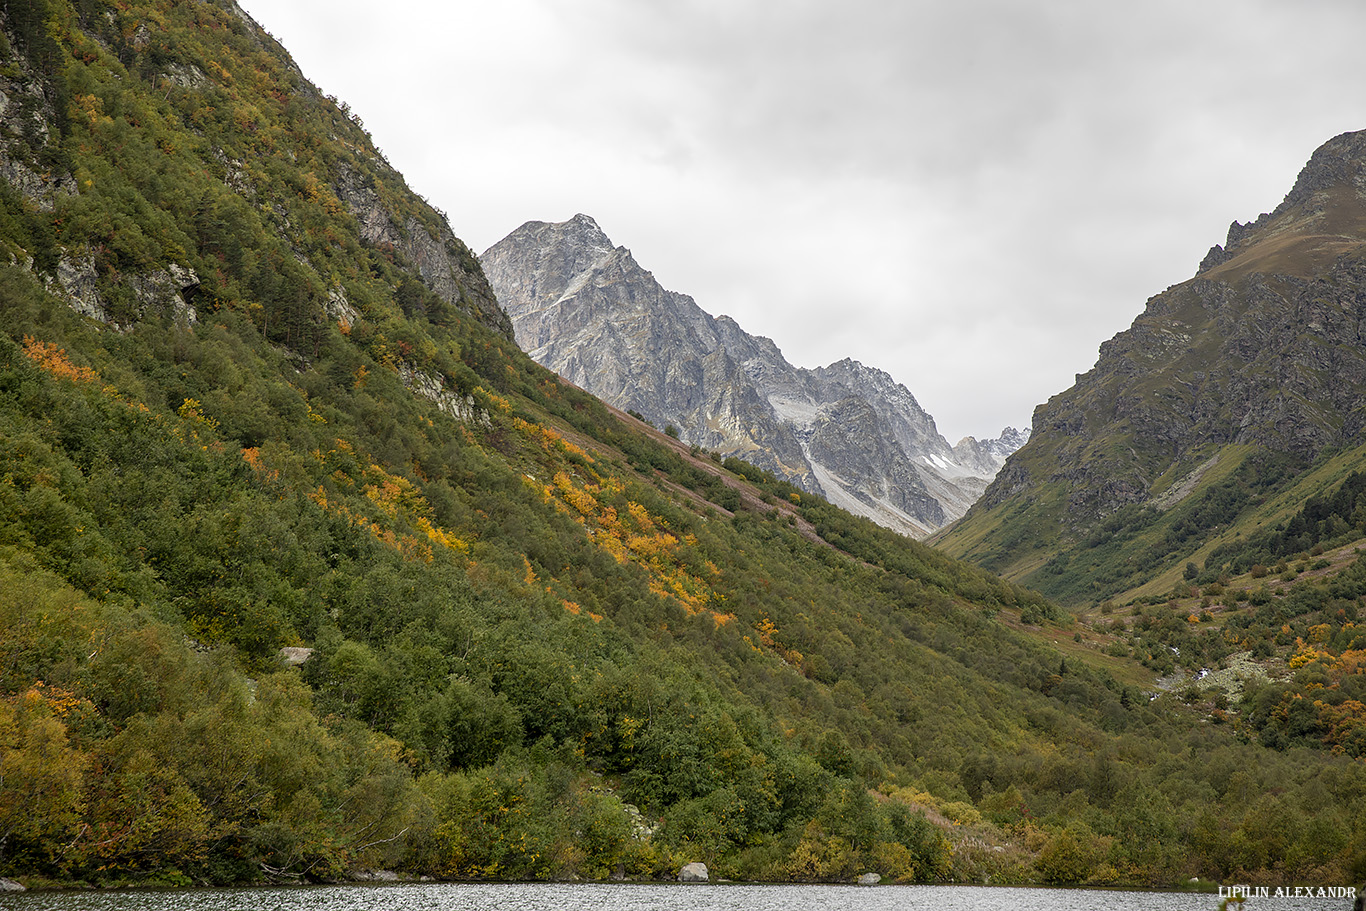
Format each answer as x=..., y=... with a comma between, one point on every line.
x=306, y=569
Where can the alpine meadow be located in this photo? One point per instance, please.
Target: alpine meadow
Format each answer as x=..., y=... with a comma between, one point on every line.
x=307, y=570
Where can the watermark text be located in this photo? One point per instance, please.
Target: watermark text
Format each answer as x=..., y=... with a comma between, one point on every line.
x=1244, y=892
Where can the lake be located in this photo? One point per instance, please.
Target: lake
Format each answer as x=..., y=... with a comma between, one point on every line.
x=638, y=897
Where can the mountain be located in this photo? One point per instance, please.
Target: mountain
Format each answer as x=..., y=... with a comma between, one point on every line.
x=587, y=310
x=309, y=573
x=1233, y=396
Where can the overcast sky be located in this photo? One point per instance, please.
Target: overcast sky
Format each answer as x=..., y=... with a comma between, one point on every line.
x=970, y=195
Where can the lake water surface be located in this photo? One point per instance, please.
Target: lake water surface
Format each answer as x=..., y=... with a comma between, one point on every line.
x=639, y=897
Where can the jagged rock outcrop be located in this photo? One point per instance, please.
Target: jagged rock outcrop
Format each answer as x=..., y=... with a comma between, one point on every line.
x=1264, y=347
x=446, y=265
x=159, y=291
x=429, y=386
x=586, y=309
x=27, y=114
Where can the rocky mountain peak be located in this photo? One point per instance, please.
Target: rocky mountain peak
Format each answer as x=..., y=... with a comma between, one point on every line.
x=1321, y=218
x=849, y=432
x=1008, y=441
x=1259, y=353
x=1339, y=162
x=580, y=234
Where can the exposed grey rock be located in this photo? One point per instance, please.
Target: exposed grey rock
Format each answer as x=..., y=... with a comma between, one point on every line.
x=1007, y=443
x=295, y=655
x=78, y=282
x=1339, y=162
x=870, y=879
x=235, y=174
x=640, y=828
x=1185, y=487
x=162, y=290
x=9, y=885
x=989, y=456
x=1216, y=256
x=376, y=225
x=848, y=436
x=26, y=110
x=446, y=265
x=186, y=76
x=232, y=7
x=693, y=873
x=421, y=236
x=41, y=190
x=584, y=308
x=462, y=408
x=339, y=309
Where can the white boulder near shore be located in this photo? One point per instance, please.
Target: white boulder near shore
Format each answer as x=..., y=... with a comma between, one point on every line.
x=693, y=873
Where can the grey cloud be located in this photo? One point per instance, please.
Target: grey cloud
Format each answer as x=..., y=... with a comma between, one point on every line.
x=953, y=192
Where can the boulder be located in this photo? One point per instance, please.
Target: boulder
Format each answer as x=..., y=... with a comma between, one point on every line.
x=375, y=876
x=693, y=873
x=295, y=655
x=9, y=885
x=870, y=879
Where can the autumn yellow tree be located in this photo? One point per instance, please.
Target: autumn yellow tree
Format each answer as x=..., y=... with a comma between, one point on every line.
x=40, y=776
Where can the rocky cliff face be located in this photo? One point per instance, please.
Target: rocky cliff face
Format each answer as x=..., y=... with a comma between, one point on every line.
x=1262, y=348
x=584, y=308
x=447, y=266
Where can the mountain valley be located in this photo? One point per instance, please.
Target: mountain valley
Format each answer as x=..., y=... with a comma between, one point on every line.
x=308, y=571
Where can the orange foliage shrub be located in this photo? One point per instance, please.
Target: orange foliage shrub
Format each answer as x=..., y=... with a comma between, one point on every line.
x=53, y=360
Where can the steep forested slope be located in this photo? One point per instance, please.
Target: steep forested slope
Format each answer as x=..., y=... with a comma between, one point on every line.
x=305, y=567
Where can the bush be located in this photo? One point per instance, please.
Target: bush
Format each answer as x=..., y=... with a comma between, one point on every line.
x=1067, y=858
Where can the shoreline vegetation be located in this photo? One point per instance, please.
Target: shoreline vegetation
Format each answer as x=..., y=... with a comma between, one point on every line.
x=306, y=568
x=384, y=878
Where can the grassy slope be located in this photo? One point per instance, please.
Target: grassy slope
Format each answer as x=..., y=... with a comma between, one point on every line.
x=1136, y=555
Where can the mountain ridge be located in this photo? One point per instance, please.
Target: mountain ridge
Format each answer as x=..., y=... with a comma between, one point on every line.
x=1259, y=352
x=585, y=308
